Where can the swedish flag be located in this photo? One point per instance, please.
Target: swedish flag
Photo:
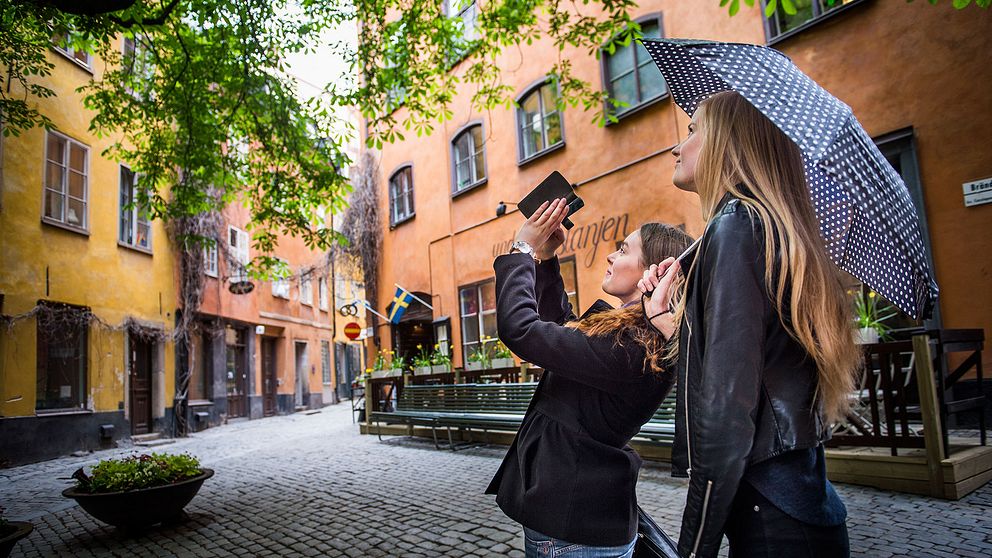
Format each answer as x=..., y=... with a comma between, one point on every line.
x=401, y=300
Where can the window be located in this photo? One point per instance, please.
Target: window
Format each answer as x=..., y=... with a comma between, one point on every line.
x=238, y=242
x=807, y=11
x=136, y=64
x=322, y=293
x=66, y=177
x=135, y=231
x=210, y=259
x=325, y=362
x=465, y=10
x=280, y=287
x=340, y=292
x=306, y=289
x=570, y=279
x=478, y=313
x=469, y=155
x=61, y=44
x=61, y=379
x=631, y=76
x=401, y=195
x=201, y=370
x=539, y=121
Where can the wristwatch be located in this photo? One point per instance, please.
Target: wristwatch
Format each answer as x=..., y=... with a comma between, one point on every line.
x=523, y=248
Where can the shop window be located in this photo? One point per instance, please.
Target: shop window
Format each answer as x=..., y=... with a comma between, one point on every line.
x=66, y=181
x=401, y=196
x=631, y=75
x=135, y=229
x=478, y=315
x=539, y=127
x=201, y=370
x=570, y=280
x=61, y=360
x=468, y=151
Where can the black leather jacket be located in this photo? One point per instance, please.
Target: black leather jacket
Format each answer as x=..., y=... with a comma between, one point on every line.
x=746, y=388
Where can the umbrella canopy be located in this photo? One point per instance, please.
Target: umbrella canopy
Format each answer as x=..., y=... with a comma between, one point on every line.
x=867, y=219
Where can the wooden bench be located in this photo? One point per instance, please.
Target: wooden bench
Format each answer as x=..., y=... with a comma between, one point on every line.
x=490, y=407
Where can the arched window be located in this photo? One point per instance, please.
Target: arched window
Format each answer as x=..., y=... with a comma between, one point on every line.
x=630, y=74
x=539, y=126
x=468, y=153
x=401, y=195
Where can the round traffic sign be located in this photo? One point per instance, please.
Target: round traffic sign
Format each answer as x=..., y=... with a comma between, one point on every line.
x=352, y=330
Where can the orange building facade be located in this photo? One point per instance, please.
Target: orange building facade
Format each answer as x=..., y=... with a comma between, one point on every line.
x=908, y=71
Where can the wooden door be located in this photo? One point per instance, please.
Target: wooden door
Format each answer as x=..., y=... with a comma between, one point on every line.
x=237, y=373
x=269, y=382
x=141, y=386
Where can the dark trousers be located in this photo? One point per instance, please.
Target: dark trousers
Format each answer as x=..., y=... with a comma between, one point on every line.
x=757, y=529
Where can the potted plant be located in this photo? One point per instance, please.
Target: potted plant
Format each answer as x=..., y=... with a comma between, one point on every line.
x=11, y=532
x=440, y=360
x=422, y=361
x=139, y=490
x=868, y=319
x=383, y=368
x=479, y=359
x=502, y=357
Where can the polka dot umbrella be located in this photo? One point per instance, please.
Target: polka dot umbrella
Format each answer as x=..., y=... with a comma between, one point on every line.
x=867, y=219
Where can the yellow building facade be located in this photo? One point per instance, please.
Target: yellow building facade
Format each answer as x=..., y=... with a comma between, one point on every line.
x=87, y=287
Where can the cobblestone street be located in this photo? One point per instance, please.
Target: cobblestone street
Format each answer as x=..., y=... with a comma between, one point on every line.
x=309, y=485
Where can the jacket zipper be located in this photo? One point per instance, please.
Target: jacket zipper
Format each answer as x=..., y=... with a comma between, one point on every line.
x=702, y=520
x=688, y=357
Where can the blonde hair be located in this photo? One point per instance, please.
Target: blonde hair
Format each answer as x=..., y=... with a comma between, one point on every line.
x=658, y=241
x=745, y=154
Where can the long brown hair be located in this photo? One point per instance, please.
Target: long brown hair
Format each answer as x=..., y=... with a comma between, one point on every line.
x=658, y=241
x=744, y=153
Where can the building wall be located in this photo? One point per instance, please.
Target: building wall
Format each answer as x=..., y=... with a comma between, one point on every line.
x=43, y=262
x=897, y=65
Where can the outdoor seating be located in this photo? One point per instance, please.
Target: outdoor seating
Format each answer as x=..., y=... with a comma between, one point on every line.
x=485, y=407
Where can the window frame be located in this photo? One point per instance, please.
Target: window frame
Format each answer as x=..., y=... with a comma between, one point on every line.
x=607, y=83
x=393, y=221
x=134, y=216
x=322, y=294
x=534, y=89
x=62, y=223
x=306, y=289
x=466, y=130
x=326, y=375
x=236, y=252
x=210, y=260
x=477, y=286
x=140, y=64
x=773, y=39
x=280, y=284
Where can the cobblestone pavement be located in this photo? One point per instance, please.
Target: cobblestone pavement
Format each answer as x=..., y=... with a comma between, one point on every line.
x=309, y=485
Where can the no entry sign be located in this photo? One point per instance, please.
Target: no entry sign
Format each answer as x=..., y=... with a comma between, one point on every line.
x=353, y=330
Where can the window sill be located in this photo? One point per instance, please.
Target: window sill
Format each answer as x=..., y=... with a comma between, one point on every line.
x=638, y=108
x=280, y=297
x=65, y=227
x=469, y=188
x=406, y=219
x=61, y=412
x=211, y=275
x=200, y=403
x=812, y=23
x=146, y=251
x=70, y=58
x=306, y=304
x=556, y=147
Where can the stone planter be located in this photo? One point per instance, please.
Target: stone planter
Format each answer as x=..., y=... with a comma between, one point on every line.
x=866, y=335
x=390, y=373
x=440, y=369
x=502, y=363
x=473, y=365
x=145, y=507
x=13, y=532
x=421, y=370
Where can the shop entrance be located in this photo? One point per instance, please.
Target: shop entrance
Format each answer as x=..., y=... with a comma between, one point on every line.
x=141, y=385
x=415, y=328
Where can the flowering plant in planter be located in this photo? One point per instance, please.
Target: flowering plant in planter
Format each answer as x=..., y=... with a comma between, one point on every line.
x=871, y=312
x=422, y=360
x=138, y=471
x=440, y=360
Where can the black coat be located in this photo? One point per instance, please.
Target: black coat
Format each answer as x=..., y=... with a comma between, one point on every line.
x=569, y=473
x=747, y=389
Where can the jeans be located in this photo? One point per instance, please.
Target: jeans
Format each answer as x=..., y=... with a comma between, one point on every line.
x=537, y=545
x=757, y=529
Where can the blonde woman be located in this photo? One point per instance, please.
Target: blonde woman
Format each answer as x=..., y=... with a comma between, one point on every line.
x=765, y=353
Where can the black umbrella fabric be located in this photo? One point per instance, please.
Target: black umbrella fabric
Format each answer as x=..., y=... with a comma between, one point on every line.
x=867, y=218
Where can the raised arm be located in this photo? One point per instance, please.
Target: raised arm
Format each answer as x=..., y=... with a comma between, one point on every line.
x=552, y=301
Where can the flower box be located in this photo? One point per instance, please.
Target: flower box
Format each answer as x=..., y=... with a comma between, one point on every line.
x=440, y=369
x=422, y=370
x=866, y=335
x=472, y=365
x=388, y=373
x=502, y=363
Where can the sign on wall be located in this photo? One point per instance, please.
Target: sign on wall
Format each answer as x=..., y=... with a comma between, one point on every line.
x=978, y=192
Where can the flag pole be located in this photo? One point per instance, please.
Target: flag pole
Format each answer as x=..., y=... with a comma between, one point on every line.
x=415, y=297
x=370, y=309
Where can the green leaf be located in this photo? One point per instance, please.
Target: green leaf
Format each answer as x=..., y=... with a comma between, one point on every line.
x=789, y=7
x=770, y=8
